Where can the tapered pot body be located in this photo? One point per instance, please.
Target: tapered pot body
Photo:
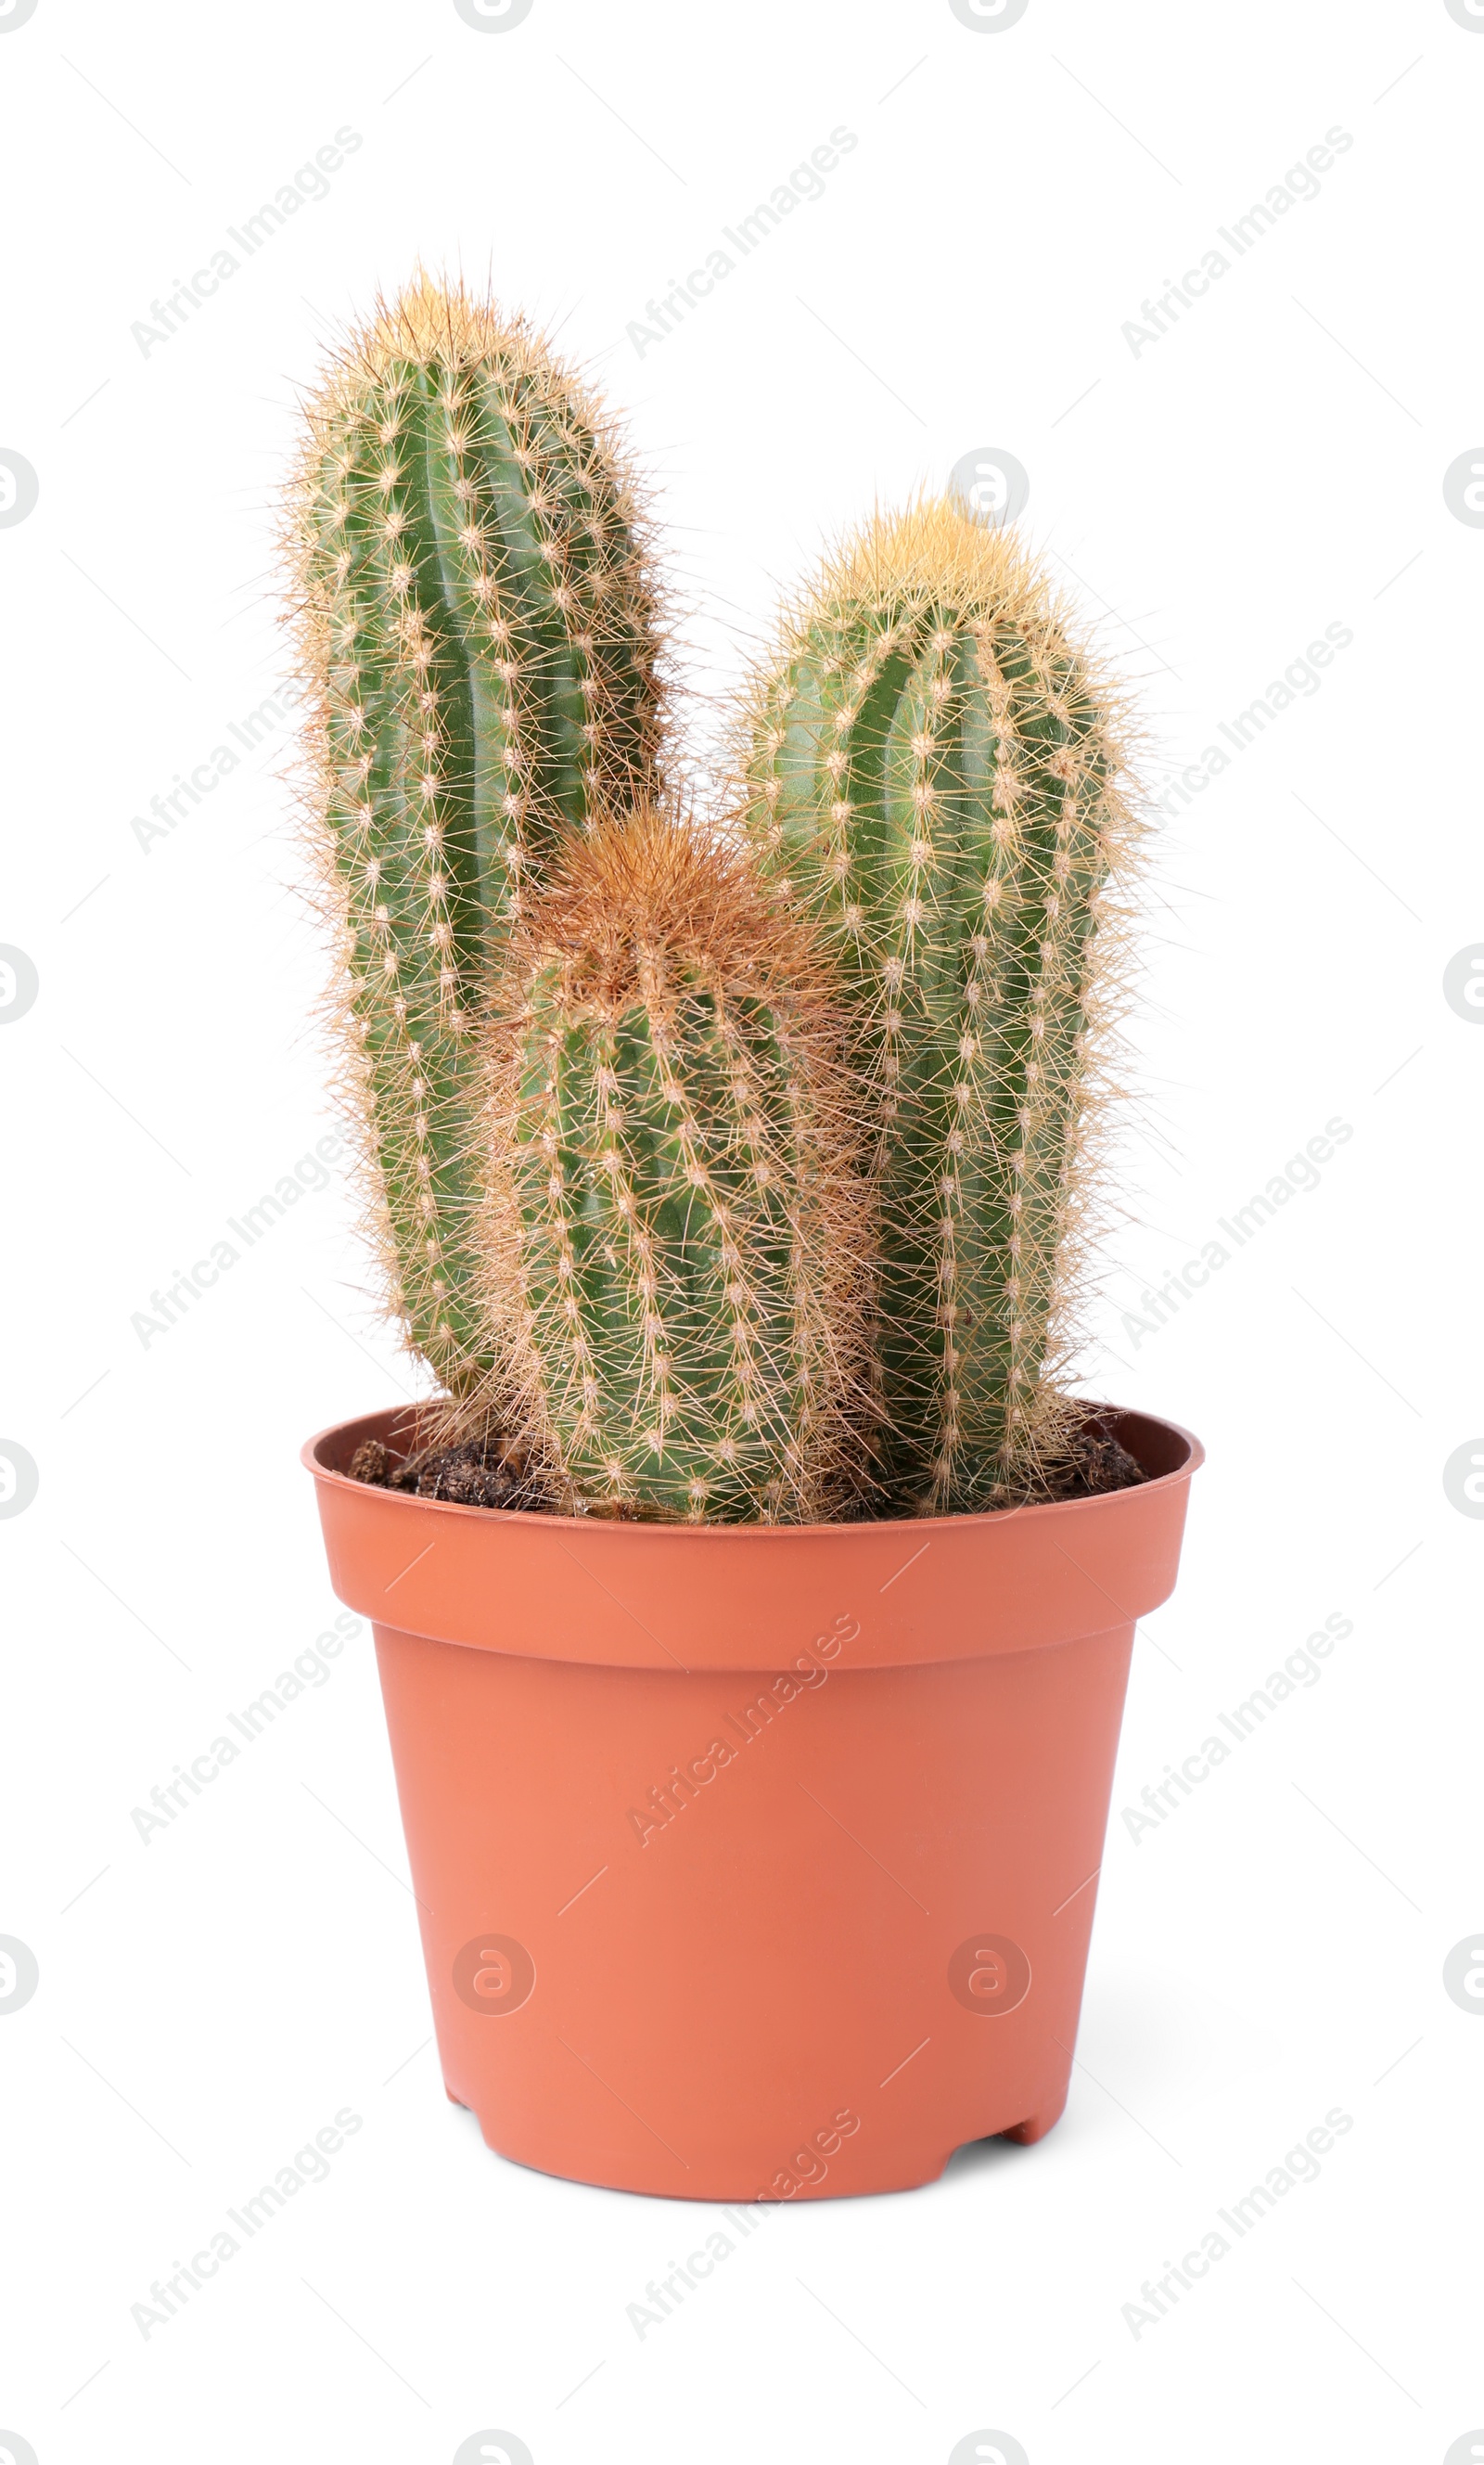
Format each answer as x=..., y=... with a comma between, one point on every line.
x=754, y=1862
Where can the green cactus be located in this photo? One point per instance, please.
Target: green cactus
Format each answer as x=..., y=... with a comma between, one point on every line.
x=475, y=619
x=678, y=1236
x=932, y=767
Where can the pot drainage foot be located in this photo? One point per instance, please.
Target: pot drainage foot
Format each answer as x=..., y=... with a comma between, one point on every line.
x=453, y=2100
x=1036, y=2125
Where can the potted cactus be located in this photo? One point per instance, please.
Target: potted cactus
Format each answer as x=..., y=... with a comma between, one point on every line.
x=753, y=1603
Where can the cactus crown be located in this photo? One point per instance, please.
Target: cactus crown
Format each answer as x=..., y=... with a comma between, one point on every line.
x=675, y=1232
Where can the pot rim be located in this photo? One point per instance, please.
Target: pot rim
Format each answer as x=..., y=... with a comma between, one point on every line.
x=379, y=1424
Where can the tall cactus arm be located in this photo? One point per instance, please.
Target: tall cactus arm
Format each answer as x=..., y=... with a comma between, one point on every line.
x=932, y=770
x=476, y=615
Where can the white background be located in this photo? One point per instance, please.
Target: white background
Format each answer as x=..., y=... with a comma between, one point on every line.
x=1273, y=464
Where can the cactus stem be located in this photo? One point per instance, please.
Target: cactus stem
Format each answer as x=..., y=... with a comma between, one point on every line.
x=934, y=771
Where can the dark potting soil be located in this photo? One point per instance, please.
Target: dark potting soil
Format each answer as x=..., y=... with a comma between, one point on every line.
x=495, y=1473
x=1095, y=1463
x=492, y=1473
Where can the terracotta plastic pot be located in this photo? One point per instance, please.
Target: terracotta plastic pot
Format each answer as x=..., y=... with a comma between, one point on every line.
x=754, y=1862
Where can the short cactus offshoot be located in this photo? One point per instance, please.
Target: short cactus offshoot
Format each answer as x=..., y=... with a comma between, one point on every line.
x=476, y=622
x=677, y=1237
x=932, y=770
